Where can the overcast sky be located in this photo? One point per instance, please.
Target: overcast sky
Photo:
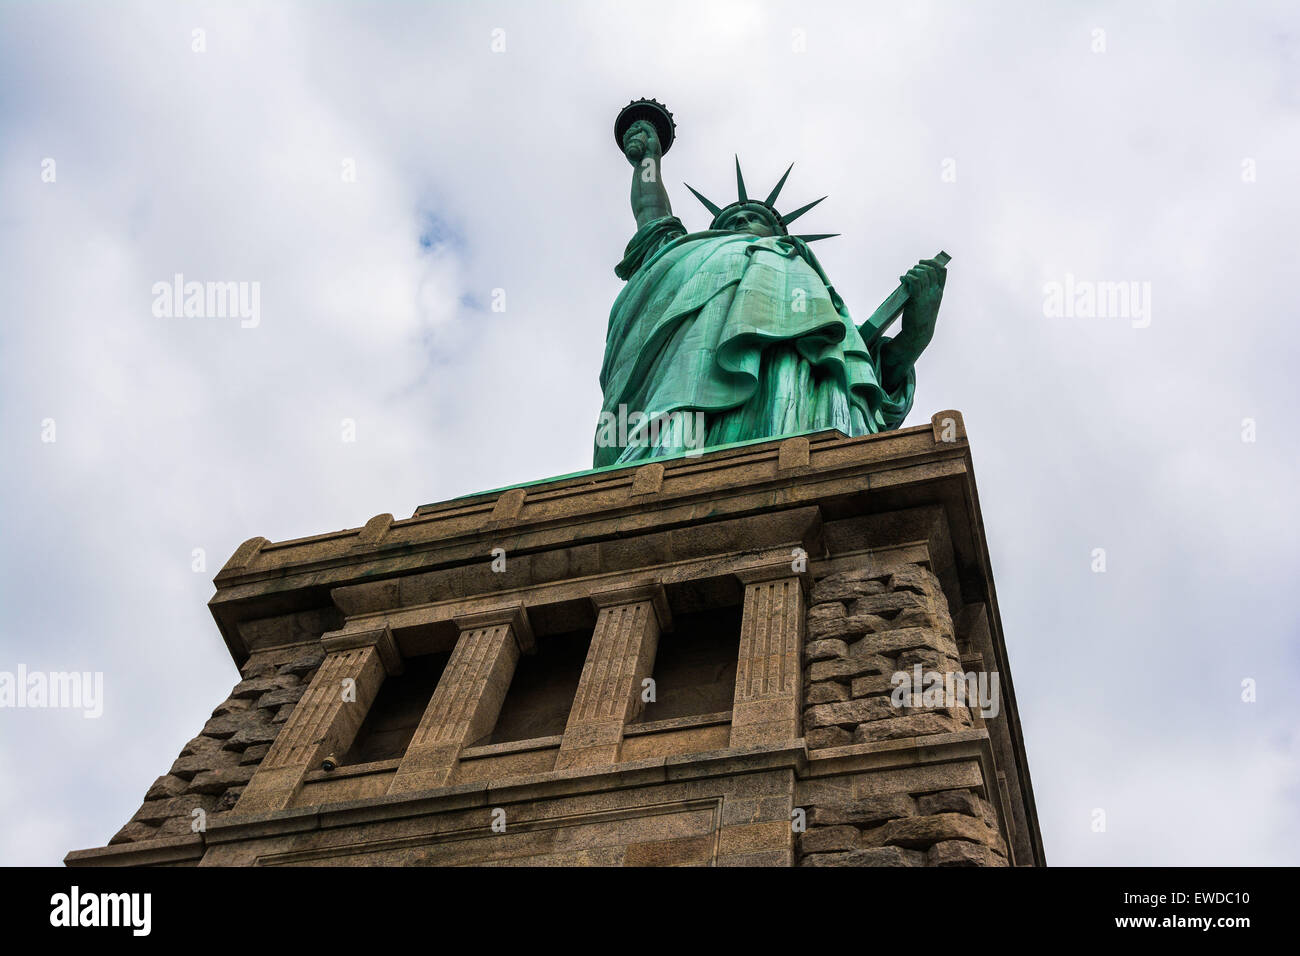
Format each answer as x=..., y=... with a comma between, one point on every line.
x=1151, y=143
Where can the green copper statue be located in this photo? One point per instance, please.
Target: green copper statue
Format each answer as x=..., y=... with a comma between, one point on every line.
x=735, y=332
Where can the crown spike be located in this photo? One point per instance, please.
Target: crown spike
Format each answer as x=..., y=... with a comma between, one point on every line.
x=708, y=204
x=776, y=190
x=792, y=216
x=740, y=182
x=816, y=236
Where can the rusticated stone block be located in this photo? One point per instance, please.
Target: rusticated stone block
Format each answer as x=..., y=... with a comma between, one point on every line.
x=922, y=832
x=961, y=853
x=187, y=767
x=877, y=808
x=253, y=732
x=851, y=625
x=830, y=611
x=827, y=692
x=924, y=617
x=153, y=811
x=186, y=804
x=277, y=698
x=911, y=725
x=166, y=786
x=820, y=737
x=887, y=604
x=182, y=821
x=913, y=577
x=305, y=663
x=231, y=706
x=893, y=641
x=158, y=812
x=849, y=712
x=223, y=727
x=950, y=801
x=199, y=745
x=257, y=686
x=873, y=685
x=875, y=856
x=177, y=826
x=824, y=650
x=826, y=816
x=258, y=666
x=959, y=715
x=847, y=667
x=219, y=781
x=930, y=659
x=134, y=832
x=842, y=587
x=828, y=839
x=254, y=754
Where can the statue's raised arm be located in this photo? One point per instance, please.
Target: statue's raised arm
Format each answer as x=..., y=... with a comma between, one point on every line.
x=643, y=150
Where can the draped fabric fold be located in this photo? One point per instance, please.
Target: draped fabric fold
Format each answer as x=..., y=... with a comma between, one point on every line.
x=746, y=331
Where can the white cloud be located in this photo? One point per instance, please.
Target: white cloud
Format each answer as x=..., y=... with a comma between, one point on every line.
x=183, y=433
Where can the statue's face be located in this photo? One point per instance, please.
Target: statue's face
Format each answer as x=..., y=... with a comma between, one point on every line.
x=752, y=219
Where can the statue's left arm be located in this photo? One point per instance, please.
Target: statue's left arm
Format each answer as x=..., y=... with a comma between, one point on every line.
x=924, y=283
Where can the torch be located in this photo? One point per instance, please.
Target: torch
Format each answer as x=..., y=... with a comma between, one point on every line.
x=653, y=112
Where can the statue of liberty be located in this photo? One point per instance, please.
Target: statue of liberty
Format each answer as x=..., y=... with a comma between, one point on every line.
x=735, y=332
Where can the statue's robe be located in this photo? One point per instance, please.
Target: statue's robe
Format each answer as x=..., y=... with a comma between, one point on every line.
x=745, y=330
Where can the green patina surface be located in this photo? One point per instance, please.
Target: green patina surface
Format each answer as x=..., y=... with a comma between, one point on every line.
x=735, y=333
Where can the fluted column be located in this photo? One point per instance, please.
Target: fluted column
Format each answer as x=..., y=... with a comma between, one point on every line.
x=768, y=676
x=327, y=717
x=468, y=699
x=621, y=656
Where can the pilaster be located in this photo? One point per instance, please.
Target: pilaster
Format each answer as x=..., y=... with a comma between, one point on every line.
x=468, y=699
x=327, y=717
x=765, y=708
x=621, y=656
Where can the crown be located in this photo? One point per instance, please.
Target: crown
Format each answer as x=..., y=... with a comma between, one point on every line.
x=782, y=221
